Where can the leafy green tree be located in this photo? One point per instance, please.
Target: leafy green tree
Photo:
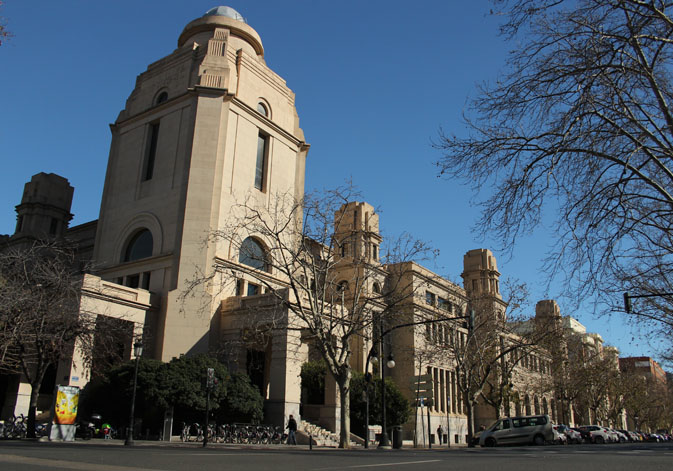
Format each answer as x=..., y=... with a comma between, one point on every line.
x=181, y=383
x=313, y=382
x=110, y=395
x=243, y=402
x=398, y=408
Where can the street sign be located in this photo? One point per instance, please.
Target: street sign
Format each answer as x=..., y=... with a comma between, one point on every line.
x=423, y=387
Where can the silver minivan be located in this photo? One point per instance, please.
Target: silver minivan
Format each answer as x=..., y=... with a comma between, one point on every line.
x=531, y=429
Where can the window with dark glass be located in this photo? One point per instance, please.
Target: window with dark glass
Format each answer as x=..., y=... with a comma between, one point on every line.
x=260, y=166
x=146, y=280
x=252, y=253
x=140, y=246
x=132, y=281
x=253, y=289
x=53, y=227
x=444, y=304
x=151, y=153
x=163, y=96
x=429, y=298
x=261, y=109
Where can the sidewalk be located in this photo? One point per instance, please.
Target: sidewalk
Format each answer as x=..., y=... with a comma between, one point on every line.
x=176, y=443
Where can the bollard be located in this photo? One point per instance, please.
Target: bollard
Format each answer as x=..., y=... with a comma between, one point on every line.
x=310, y=442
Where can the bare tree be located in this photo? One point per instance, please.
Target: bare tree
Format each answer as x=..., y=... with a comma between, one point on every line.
x=487, y=352
x=580, y=125
x=40, y=318
x=323, y=269
x=4, y=34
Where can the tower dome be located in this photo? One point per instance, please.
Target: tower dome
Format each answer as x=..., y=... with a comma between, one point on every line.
x=203, y=28
x=225, y=11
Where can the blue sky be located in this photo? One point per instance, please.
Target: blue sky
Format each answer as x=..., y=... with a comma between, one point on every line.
x=374, y=82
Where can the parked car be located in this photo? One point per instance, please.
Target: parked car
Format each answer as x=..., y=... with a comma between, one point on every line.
x=573, y=435
x=560, y=438
x=613, y=437
x=595, y=434
x=535, y=429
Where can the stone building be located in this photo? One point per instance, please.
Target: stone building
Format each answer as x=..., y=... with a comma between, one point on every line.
x=210, y=126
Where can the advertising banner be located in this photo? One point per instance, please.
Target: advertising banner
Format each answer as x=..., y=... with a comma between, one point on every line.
x=64, y=423
x=67, y=400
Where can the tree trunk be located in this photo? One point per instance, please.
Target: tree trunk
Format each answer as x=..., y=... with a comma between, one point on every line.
x=32, y=408
x=469, y=409
x=344, y=381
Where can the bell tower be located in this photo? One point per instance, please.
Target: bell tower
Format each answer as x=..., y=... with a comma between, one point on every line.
x=44, y=211
x=481, y=280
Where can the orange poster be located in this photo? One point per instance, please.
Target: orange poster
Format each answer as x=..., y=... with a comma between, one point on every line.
x=67, y=399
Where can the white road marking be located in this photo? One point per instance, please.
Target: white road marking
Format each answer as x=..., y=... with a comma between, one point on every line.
x=378, y=465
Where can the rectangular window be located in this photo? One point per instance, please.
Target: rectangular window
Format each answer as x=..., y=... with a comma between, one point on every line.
x=375, y=252
x=429, y=298
x=133, y=281
x=253, y=289
x=19, y=224
x=152, y=140
x=146, y=280
x=444, y=304
x=53, y=227
x=239, y=287
x=260, y=166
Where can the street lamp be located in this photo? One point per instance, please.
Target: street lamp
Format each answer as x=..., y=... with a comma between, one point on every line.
x=385, y=442
x=137, y=351
x=635, y=418
x=371, y=357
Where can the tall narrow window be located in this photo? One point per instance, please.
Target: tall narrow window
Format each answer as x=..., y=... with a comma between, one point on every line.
x=260, y=167
x=53, y=227
x=152, y=140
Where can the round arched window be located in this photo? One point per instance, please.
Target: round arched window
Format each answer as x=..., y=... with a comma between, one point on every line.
x=140, y=246
x=163, y=96
x=377, y=288
x=252, y=253
x=262, y=109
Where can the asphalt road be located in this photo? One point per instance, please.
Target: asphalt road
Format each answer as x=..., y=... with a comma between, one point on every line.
x=99, y=456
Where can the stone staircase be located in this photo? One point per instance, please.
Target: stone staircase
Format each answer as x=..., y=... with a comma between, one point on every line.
x=319, y=435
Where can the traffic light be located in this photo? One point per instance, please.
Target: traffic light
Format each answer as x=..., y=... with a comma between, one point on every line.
x=627, y=303
x=210, y=378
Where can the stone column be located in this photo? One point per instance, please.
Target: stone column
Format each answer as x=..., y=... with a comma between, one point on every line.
x=287, y=355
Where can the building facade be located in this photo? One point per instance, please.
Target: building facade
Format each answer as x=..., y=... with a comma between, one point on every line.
x=211, y=127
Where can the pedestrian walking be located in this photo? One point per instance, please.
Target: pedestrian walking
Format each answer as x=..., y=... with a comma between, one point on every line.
x=291, y=431
x=440, y=434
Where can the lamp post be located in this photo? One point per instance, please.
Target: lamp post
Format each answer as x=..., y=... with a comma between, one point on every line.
x=137, y=351
x=635, y=419
x=368, y=377
x=384, y=442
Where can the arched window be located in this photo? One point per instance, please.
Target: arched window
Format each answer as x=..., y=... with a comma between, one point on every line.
x=342, y=286
x=377, y=288
x=163, y=96
x=262, y=109
x=140, y=246
x=252, y=253
x=526, y=405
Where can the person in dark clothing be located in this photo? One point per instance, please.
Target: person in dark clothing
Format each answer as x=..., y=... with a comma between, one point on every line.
x=292, y=431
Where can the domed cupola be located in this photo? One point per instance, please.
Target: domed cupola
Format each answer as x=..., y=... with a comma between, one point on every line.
x=202, y=29
x=225, y=11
